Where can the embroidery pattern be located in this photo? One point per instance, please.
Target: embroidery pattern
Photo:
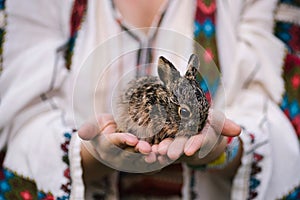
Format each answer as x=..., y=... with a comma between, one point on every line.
x=294, y=195
x=254, y=182
x=65, y=148
x=205, y=35
x=14, y=186
x=78, y=12
x=289, y=33
x=228, y=155
x=291, y=99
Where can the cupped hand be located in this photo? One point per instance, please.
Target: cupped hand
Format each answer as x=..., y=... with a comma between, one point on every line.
x=203, y=146
x=103, y=130
x=121, y=151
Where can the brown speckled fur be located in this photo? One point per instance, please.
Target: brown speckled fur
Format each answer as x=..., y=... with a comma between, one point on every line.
x=150, y=106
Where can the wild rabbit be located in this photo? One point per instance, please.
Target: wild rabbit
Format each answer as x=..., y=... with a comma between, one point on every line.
x=154, y=108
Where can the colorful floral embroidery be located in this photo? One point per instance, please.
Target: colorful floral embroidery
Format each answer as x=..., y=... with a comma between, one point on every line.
x=14, y=186
x=26, y=195
x=254, y=182
x=231, y=151
x=65, y=148
x=291, y=100
x=207, y=7
x=205, y=35
x=43, y=196
x=289, y=34
x=79, y=10
x=294, y=195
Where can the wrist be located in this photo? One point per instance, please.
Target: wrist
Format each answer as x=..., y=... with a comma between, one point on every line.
x=92, y=168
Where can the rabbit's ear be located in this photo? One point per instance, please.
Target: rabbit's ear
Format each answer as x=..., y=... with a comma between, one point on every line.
x=192, y=69
x=167, y=72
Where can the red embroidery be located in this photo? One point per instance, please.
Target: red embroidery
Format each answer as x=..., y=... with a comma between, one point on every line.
x=26, y=195
x=206, y=9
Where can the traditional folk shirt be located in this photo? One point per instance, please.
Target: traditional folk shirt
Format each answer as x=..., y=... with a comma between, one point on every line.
x=37, y=120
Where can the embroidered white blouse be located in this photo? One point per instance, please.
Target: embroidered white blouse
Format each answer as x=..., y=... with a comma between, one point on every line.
x=41, y=99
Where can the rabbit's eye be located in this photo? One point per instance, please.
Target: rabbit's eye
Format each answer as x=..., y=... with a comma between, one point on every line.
x=183, y=112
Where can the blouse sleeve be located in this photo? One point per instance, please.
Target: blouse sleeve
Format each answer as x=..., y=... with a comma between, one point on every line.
x=41, y=145
x=34, y=32
x=250, y=54
x=256, y=90
x=252, y=59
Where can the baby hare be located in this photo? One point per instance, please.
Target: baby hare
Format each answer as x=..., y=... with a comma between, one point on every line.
x=155, y=108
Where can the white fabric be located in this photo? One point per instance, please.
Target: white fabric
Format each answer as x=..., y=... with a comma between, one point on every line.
x=76, y=169
x=32, y=127
x=249, y=51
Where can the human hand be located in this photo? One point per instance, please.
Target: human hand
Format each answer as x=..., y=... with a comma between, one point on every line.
x=200, y=148
x=109, y=147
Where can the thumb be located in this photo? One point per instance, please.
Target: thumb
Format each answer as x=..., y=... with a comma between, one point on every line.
x=91, y=128
x=223, y=125
x=88, y=131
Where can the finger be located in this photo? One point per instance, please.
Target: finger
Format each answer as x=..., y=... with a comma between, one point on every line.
x=110, y=146
x=155, y=148
x=163, y=160
x=193, y=144
x=164, y=145
x=88, y=131
x=231, y=129
x=216, y=119
x=175, y=149
x=150, y=158
x=209, y=140
x=93, y=127
x=222, y=125
x=121, y=139
x=143, y=147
